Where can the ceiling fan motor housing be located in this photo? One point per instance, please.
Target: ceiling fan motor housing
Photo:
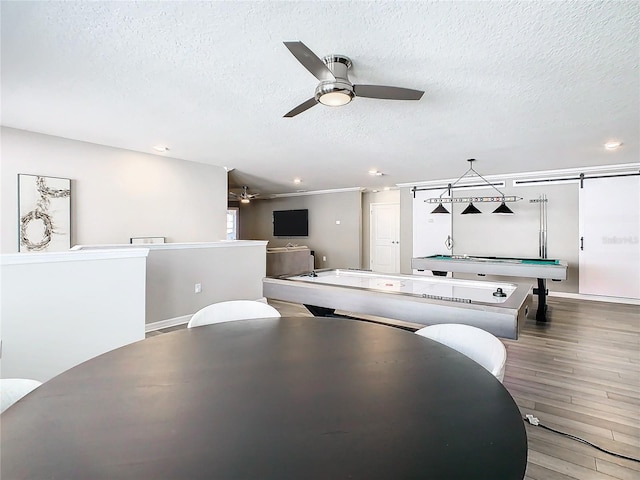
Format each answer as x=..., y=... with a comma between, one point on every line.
x=339, y=91
x=338, y=64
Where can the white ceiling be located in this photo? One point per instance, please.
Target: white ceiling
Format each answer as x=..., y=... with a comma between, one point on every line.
x=521, y=86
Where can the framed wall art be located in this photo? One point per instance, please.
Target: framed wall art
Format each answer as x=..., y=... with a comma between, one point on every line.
x=44, y=211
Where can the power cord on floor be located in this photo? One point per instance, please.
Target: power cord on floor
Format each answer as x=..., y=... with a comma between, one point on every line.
x=534, y=421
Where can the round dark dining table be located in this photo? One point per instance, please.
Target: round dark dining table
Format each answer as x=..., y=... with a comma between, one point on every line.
x=284, y=398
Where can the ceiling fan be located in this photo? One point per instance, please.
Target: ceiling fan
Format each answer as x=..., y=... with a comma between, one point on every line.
x=334, y=88
x=245, y=196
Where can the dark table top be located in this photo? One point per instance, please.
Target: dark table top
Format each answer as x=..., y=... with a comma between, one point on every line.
x=290, y=398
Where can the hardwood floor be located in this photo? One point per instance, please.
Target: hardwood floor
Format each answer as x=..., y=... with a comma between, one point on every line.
x=579, y=374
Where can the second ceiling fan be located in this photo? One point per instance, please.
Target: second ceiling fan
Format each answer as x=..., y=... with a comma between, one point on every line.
x=334, y=88
x=244, y=196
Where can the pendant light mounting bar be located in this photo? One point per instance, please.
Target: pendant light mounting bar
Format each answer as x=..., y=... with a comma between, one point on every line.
x=506, y=198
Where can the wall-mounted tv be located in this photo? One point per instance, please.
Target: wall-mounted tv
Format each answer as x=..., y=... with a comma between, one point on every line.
x=291, y=223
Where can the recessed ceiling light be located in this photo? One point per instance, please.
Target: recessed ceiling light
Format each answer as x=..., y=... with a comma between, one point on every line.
x=297, y=180
x=374, y=191
x=375, y=173
x=612, y=145
x=161, y=148
x=386, y=189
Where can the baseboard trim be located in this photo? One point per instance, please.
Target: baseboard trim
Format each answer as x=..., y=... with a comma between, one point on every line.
x=595, y=298
x=169, y=322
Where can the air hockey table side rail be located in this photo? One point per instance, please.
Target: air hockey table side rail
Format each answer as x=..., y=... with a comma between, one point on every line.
x=501, y=319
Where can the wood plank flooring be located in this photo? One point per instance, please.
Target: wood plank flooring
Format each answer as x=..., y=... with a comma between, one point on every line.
x=580, y=374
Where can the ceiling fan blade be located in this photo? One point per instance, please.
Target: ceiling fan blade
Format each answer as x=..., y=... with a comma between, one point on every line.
x=301, y=108
x=386, y=92
x=310, y=60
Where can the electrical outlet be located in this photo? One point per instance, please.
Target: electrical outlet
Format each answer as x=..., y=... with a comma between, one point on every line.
x=198, y=288
x=324, y=258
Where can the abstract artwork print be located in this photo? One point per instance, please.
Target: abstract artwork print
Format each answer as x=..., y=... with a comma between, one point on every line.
x=44, y=209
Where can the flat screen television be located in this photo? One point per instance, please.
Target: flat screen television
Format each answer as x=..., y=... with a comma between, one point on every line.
x=291, y=223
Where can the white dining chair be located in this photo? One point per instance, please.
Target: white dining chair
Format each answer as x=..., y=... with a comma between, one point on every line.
x=477, y=344
x=232, y=310
x=13, y=389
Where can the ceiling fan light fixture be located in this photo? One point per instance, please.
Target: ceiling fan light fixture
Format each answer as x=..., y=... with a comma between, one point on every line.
x=245, y=196
x=335, y=99
x=335, y=89
x=334, y=93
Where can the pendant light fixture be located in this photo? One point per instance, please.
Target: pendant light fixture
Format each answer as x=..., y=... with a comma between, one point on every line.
x=471, y=209
x=440, y=209
x=503, y=210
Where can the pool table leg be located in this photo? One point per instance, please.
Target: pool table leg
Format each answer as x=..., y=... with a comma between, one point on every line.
x=541, y=291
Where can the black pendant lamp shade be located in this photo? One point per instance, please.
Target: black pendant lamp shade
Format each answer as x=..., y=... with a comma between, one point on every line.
x=471, y=209
x=503, y=210
x=440, y=209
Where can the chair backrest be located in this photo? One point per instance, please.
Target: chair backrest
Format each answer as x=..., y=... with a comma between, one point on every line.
x=13, y=389
x=477, y=344
x=232, y=310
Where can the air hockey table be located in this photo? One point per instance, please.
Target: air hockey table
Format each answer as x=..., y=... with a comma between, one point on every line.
x=497, y=307
x=541, y=269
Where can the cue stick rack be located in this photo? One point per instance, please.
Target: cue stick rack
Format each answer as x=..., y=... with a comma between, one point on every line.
x=542, y=233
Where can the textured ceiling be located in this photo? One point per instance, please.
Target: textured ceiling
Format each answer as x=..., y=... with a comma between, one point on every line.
x=521, y=86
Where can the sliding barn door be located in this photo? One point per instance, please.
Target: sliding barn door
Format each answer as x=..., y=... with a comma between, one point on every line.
x=609, y=228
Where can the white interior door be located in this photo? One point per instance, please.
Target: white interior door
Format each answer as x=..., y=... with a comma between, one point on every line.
x=609, y=247
x=385, y=237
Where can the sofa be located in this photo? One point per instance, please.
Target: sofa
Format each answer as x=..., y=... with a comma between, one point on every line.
x=291, y=260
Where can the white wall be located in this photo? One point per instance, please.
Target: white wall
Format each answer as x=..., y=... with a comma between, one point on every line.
x=60, y=309
x=226, y=270
x=116, y=194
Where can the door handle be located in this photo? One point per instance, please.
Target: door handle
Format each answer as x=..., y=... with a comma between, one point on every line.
x=581, y=243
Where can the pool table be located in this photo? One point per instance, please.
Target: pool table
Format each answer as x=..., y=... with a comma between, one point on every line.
x=497, y=307
x=539, y=268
